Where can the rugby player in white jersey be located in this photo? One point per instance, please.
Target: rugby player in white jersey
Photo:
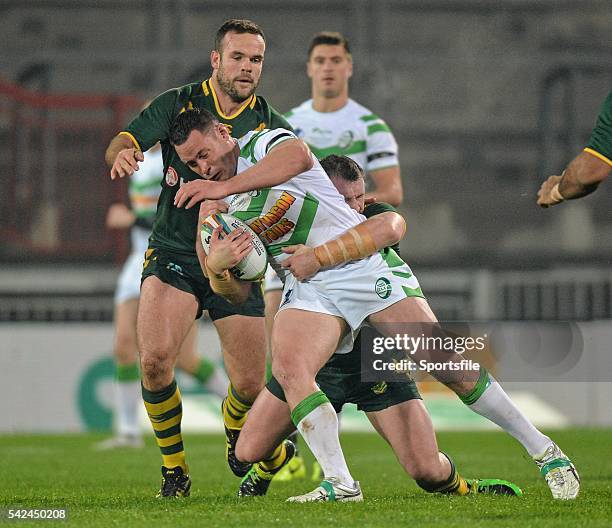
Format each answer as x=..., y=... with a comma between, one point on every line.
x=273, y=182
x=330, y=122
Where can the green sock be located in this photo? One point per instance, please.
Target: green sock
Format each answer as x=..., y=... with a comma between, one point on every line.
x=204, y=371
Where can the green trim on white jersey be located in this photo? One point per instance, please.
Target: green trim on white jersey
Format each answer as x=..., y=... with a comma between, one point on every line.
x=352, y=131
x=305, y=210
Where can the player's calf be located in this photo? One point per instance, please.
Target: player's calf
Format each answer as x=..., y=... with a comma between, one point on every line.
x=257, y=480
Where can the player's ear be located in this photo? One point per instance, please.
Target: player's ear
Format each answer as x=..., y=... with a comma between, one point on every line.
x=223, y=131
x=309, y=69
x=215, y=58
x=350, y=72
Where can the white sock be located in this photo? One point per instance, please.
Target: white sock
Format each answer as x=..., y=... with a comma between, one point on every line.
x=320, y=430
x=128, y=400
x=495, y=405
x=218, y=382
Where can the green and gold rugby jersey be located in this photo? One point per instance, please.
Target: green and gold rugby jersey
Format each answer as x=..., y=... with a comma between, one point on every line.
x=307, y=209
x=175, y=228
x=600, y=143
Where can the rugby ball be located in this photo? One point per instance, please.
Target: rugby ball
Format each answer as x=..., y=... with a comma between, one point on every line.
x=253, y=266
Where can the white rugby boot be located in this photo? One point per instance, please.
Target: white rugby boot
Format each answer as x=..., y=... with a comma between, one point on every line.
x=559, y=473
x=331, y=490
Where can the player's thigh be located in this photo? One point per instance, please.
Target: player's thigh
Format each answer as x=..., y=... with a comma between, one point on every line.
x=413, y=316
x=413, y=310
x=268, y=423
x=126, y=346
x=407, y=427
x=303, y=341
x=244, y=350
x=189, y=358
x=272, y=300
x=165, y=316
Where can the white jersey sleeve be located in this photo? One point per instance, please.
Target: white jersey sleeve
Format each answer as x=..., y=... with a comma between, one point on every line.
x=381, y=147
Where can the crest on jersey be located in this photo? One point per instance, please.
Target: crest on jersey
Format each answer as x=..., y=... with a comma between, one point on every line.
x=346, y=139
x=171, y=177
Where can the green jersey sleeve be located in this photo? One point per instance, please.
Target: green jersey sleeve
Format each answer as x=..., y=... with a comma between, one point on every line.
x=278, y=121
x=377, y=208
x=154, y=122
x=600, y=143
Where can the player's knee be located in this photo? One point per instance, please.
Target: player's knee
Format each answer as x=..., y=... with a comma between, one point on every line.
x=289, y=377
x=248, y=387
x=155, y=363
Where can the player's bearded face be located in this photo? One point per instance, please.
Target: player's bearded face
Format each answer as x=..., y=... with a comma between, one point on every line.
x=238, y=66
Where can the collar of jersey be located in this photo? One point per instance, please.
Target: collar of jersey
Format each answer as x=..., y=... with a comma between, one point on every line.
x=249, y=102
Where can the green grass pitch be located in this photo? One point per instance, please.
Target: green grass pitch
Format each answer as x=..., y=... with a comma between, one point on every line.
x=118, y=488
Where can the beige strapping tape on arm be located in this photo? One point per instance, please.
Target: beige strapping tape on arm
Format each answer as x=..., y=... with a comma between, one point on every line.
x=355, y=244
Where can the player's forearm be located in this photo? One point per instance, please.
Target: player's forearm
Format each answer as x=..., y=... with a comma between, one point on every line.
x=387, y=229
x=283, y=162
x=582, y=176
x=118, y=143
x=387, y=186
x=223, y=283
x=363, y=240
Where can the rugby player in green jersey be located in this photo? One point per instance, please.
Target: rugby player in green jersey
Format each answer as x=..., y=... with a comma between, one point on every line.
x=587, y=170
x=174, y=292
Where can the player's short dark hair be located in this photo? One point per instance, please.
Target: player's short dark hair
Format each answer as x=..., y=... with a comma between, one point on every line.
x=237, y=25
x=342, y=167
x=188, y=121
x=329, y=38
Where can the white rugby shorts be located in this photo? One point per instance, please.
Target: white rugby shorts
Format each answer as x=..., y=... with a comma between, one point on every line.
x=128, y=284
x=272, y=280
x=353, y=291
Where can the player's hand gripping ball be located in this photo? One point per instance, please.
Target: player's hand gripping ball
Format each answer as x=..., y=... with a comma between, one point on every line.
x=253, y=266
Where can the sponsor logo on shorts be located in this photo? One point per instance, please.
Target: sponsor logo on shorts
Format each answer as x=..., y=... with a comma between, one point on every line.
x=380, y=388
x=171, y=177
x=176, y=268
x=383, y=288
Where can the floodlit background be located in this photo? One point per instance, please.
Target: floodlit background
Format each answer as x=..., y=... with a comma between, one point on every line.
x=485, y=97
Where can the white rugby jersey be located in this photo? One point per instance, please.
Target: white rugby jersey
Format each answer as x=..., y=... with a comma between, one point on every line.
x=352, y=131
x=145, y=184
x=144, y=188
x=307, y=209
